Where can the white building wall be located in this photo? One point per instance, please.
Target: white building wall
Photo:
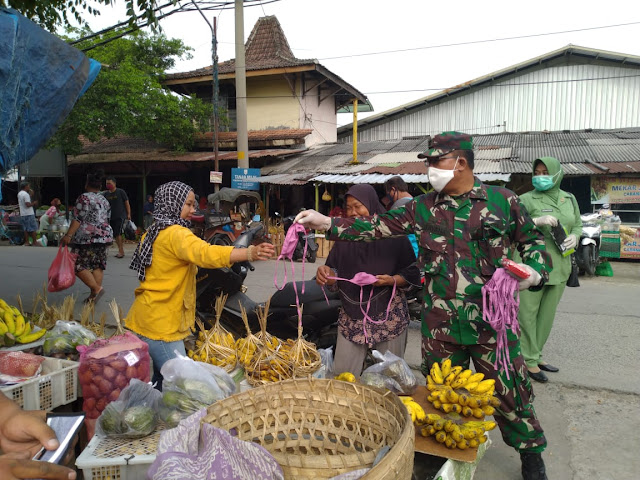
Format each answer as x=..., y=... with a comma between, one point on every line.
x=547, y=99
x=321, y=118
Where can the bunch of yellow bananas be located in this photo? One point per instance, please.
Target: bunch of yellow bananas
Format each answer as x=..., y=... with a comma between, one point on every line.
x=461, y=391
x=456, y=434
x=347, y=377
x=215, y=346
x=418, y=415
x=14, y=328
x=246, y=349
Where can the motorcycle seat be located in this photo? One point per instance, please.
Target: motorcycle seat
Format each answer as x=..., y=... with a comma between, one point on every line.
x=287, y=296
x=197, y=218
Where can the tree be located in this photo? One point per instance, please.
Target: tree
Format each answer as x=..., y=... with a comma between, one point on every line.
x=127, y=97
x=54, y=13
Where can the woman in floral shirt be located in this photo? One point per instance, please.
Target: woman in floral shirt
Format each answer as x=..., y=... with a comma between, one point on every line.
x=90, y=234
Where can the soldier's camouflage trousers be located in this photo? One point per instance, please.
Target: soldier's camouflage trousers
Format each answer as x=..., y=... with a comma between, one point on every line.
x=516, y=416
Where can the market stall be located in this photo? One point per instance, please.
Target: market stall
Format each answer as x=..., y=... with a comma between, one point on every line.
x=268, y=390
x=620, y=195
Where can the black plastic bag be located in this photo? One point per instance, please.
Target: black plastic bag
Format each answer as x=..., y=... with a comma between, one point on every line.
x=130, y=230
x=573, y=281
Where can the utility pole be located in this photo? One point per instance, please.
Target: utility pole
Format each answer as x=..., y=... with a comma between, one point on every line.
x=241, y=89
x=216, y=101
x=214, y=97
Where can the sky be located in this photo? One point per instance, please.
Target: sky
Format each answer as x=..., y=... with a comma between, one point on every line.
x=350, y=38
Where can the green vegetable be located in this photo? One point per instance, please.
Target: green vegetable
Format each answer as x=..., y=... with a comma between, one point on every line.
x=110, y=421
x=140, y=420
x=200, y=391
x=173, y=399
x=173, y=418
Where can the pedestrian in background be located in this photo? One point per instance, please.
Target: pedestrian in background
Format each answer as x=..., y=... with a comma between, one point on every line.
x=27, y=213
x=49, y=217
x=120, y=212
x=90, y=234
x=465, y=228
x=147, y=212
x=397, y=195
x=548, y=206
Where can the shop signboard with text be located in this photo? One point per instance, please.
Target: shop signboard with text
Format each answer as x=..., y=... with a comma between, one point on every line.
x=615, y=190
x=245, y=178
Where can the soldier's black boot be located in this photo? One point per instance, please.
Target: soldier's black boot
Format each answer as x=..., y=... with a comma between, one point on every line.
x=532, y=466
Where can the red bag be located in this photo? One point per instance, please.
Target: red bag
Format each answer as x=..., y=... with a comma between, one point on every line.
x=62, y=272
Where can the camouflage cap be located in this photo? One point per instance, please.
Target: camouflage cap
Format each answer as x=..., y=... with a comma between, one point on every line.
x=446, y=142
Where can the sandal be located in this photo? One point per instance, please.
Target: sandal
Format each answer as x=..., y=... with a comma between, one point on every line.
x=93, y=298
x=119, y=256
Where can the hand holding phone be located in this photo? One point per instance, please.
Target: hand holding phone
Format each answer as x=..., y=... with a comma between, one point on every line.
x=514, y=268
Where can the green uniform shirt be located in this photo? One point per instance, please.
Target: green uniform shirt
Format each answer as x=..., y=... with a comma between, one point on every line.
x=461, y=242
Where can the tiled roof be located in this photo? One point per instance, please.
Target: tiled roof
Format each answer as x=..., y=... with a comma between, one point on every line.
x=267, y=47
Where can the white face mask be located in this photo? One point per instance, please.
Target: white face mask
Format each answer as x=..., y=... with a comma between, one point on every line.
x=439, y=178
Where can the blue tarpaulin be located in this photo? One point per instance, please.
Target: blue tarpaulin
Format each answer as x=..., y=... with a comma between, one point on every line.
x=41, y=78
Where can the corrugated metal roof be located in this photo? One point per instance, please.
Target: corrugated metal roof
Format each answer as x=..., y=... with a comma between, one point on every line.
x=492, y=153
x=393, y=157
x=368, y=178
x=283, y=179
x=618, y=167
x=495, y=154
x=566, y=59
x=487, y=166
x=374, y=178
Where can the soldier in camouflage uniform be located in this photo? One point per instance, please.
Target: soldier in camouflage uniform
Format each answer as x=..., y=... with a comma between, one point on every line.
x=464, y=229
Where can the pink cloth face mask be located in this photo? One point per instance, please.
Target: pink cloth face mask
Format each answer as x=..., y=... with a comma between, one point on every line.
x=363, y=279
x=288, y=247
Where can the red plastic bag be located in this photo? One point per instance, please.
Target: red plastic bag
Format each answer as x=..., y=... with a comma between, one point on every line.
x=62, y=273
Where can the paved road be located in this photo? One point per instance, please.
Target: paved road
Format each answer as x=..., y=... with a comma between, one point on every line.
x=590, y=410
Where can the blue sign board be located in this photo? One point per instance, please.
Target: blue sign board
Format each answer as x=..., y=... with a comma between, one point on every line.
x=245, y=178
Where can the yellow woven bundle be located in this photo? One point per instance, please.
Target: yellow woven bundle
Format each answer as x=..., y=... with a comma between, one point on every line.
x=304, y=355
x=268, y=363
x=247, y=346
x=215, y=346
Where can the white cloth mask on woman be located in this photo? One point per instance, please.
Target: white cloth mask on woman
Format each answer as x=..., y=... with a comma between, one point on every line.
x=439, y=178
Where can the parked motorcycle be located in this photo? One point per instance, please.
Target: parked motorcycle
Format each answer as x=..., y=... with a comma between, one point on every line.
x=588, y=252
x=308, y=238
x=319, y=319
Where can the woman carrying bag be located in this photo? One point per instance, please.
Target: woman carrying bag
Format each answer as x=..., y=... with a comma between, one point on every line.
x=548, y=206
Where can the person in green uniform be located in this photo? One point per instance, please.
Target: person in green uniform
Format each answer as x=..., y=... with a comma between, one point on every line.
x=547, y=205
x=464, y=229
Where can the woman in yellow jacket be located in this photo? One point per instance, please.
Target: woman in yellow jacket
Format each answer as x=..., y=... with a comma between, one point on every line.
x=167, y=260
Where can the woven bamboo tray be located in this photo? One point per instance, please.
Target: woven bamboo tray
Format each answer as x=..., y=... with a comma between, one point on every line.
x=318, y=428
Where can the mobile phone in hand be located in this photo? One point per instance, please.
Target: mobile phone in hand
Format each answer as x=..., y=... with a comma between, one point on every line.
x=66, y=427
x=514, y=268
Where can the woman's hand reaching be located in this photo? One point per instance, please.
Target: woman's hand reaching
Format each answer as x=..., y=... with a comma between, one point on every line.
x=322, y=276
x=264, y=251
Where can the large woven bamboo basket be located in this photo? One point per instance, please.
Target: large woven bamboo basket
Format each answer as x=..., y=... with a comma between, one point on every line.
x=317, y=428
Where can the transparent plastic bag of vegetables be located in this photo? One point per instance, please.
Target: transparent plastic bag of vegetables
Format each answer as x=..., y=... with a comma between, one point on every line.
x=133, y=415
x=61, y=341
x=189, y=386
x=390, y=372
x=106, y=368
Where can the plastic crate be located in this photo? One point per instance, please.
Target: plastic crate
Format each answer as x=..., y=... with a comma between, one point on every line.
x=118, y=458
x=56, y=385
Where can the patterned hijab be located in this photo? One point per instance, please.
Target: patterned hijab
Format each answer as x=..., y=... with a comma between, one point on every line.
x=168, y=202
